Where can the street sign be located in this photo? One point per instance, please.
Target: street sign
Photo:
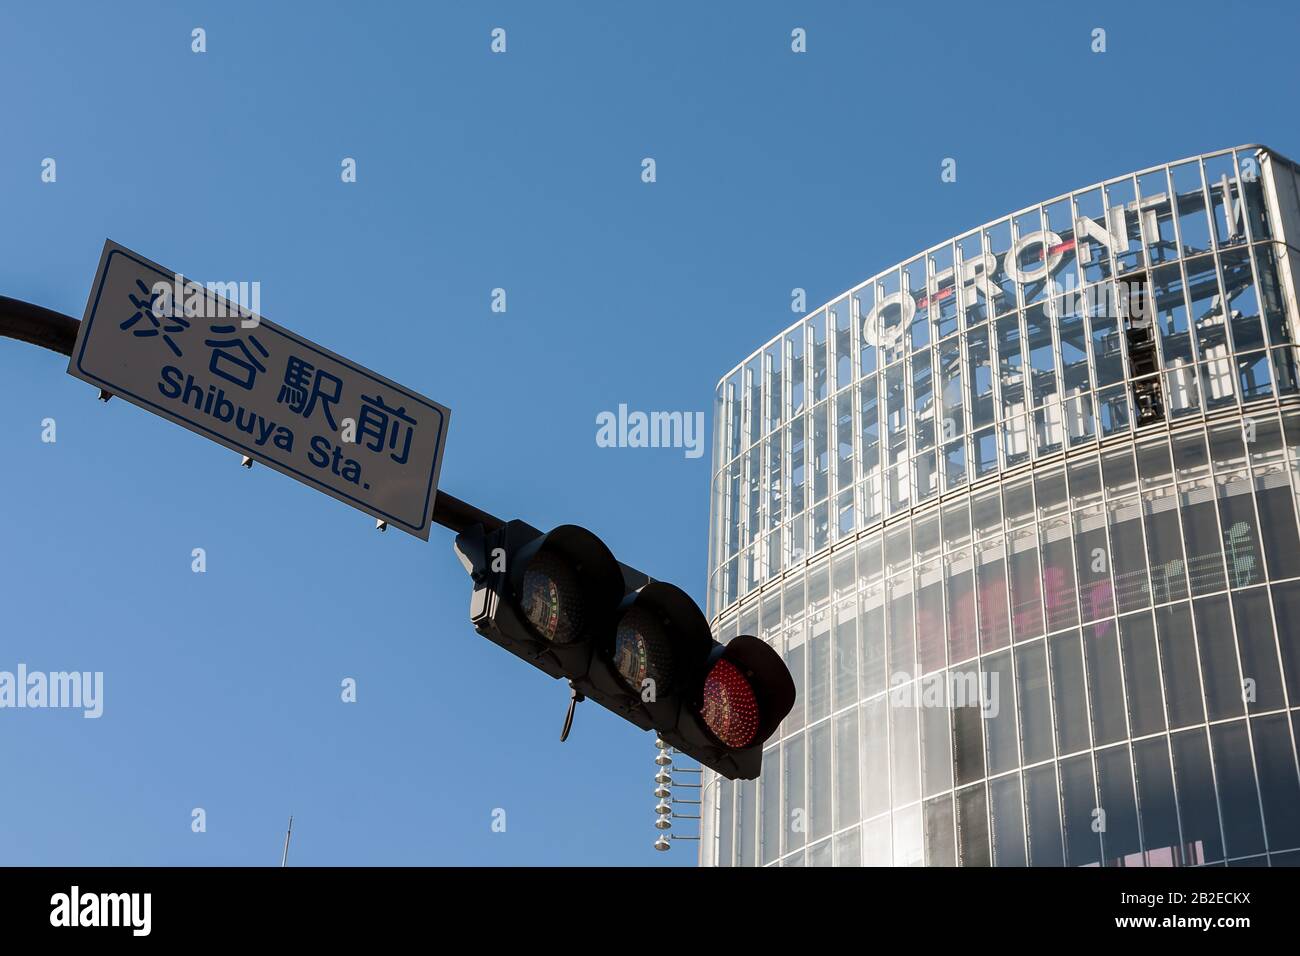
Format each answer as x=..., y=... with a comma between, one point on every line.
x=201, y=357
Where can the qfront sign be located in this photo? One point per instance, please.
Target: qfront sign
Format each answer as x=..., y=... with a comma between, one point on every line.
x=1034, y=257
x=182, y=351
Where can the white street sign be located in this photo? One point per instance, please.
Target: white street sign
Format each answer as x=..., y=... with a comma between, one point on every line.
x=196, y=356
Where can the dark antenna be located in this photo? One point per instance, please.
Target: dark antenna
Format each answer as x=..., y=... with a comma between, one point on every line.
x=284, y=860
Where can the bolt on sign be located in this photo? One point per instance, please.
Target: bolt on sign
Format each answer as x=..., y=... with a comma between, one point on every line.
x=196, y=356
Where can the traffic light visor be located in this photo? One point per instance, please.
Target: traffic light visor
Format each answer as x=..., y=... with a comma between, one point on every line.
x=565, y=582
x=661, y=638
x=747, y=692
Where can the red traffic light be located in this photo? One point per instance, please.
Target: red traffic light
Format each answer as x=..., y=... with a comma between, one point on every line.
x=745, y=694
x=641, y=648
x=730, y=708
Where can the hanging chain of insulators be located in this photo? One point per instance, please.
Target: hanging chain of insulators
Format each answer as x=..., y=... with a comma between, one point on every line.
x=663, y=793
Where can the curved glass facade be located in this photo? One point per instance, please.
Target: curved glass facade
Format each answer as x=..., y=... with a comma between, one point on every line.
x=1021, y=516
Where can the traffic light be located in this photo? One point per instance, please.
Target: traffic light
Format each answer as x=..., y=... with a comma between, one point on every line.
x=638, y=647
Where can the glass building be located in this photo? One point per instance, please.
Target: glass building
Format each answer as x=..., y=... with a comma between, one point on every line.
x=1020, y=513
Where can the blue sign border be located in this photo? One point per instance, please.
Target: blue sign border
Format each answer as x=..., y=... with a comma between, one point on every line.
x=260, y=453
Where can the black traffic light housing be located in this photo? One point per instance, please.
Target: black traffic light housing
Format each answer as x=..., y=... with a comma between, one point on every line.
x=762, y=668
x=638, y=647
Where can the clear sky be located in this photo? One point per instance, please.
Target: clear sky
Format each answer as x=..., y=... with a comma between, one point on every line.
x=475, y=171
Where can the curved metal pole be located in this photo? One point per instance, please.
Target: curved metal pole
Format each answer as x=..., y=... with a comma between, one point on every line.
x=39, y=326
x=58, y=333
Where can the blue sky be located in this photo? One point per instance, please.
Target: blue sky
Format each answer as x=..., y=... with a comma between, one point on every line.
x=475, y=171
